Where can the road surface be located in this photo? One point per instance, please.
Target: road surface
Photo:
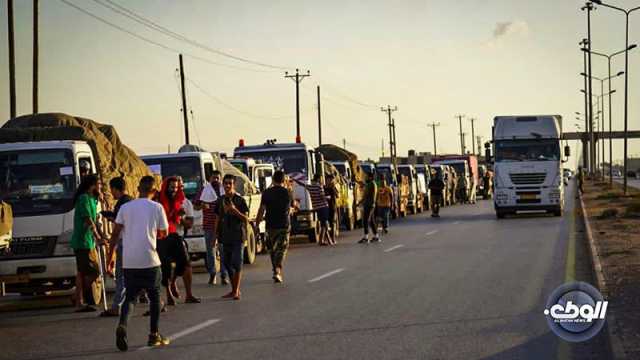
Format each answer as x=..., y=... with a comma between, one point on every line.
x=465, y=286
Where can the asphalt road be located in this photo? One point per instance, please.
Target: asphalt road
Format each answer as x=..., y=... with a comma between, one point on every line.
x=465, y=286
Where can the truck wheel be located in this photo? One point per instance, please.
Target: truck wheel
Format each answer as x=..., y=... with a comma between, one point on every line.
x=500, y=214
x=557, y=212
x=250, y=249
x=314, y=234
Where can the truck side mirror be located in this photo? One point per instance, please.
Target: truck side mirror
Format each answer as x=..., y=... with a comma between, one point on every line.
x=567, y=151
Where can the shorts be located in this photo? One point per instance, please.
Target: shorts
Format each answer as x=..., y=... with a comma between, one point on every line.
x=173, y=249
x=323, y=215
x=233, y=257
x=87, y=261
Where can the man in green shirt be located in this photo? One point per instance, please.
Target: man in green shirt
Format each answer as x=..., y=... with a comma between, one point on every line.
x=84, y=237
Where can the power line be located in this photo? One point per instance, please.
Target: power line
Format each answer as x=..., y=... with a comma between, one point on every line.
x=115, y=7
x=152, y=42
x=232, y=108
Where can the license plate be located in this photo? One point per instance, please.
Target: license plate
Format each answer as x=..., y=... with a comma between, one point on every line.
x=528, y=196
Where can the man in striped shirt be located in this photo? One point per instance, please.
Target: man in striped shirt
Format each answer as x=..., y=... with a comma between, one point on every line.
x=207, y=201
x=321, y=206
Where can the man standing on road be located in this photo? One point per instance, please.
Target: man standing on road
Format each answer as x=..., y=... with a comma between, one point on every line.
x=231, y=226
x=207, y=201
x=173, y=249
x=84, y=237
x=383, y=203
x=331, y=193
x=369, y=204
x=276, y=203
x=581, y=179
x=117, y=187
x=436, y=185
x=141, y=222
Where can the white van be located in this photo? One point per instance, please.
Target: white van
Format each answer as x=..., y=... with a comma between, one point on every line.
x=39, y=180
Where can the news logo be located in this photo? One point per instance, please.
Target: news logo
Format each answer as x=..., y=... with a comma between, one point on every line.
x=576, y=311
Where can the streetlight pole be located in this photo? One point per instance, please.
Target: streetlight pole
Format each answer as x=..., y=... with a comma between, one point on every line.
x=585, y=147
x=592, y=149
x=626, y=83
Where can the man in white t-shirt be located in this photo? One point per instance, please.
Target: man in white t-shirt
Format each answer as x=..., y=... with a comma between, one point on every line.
x=141, y=222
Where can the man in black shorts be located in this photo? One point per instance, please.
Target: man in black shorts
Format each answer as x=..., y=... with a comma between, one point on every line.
x=231, y=226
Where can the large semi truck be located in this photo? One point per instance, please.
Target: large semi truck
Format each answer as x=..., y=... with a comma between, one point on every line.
x=528, y=161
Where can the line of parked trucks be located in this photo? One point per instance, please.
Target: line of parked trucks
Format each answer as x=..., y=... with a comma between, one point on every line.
x=39, y=175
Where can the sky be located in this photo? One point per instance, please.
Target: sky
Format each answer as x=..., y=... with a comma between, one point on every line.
x=431, y=59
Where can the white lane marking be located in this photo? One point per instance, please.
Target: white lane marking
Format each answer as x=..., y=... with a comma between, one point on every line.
x=393, y=248
x=187, y=331
x=330, y=273
x=432, y=232
x=456, y=222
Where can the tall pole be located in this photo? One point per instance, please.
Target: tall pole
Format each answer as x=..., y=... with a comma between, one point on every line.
x=395, y=143
x=479, y=142
x=589, y=8
x=626, y=100
x=585, y=147
x=473, y=137
x=463, y=142
x=34, y=96
x=391, y=125
x=344, y=144
x=319, y=119
x=602, y=127
x=610, y=131
x=184, y=103
x=435, y=146
x=12, y=62
x=297, y=78
x=461, y=136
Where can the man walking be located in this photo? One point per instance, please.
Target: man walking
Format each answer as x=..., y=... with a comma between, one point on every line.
x=581, y=180
x=173, y=249
x=84, y=237
x=383, y=203
x=141, y=222
x=276, y=204
x=231, y=226
x=436, y=185
x=117, y=187
x=207, y=201
x=369, y=203
x=331, y=193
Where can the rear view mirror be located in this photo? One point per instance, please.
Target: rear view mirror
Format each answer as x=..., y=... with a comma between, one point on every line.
x=567, y=151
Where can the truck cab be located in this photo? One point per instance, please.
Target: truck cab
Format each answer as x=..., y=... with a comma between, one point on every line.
x=424, y=177
x=300, y=163
x=349, y=213
x=39, y=180
x=528, y=164
x=260, y=174
x=399, y=185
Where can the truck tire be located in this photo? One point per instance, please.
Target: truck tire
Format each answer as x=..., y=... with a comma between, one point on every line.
x=314, y=234
x=250, y=249
x=500, y=214
x=557, y=212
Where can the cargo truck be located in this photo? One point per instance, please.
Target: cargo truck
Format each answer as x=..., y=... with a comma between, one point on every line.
x=527, y=162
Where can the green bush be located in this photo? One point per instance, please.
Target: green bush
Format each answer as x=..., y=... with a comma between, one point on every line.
x=609, y=195
x=608, y=214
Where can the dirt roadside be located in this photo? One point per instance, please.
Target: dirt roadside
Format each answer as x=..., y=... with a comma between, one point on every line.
x=615, y=225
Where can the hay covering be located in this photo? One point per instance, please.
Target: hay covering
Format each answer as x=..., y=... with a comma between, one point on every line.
x=112, y=157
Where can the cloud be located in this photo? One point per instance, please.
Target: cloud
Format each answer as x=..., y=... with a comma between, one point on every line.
x=507, y=29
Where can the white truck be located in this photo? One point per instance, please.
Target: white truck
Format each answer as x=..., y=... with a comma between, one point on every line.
x=259, y=173
x=300, y=163
x=195, y=168
x=39, y=180
x=528, y=164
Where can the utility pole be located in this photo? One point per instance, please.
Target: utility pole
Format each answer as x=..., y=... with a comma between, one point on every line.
x=479, y=143
x=382, y=147
x=297, y=78
x=461, y=136
x=435, y=146
x=585, y=148
x=464, y=146
x=184, y=103
x=12, y=62
x=592, y=148
x=391, y=125
x=344, y=144
x=473, y=137
x=319, y=119
x=395, y=143
x=34, y=96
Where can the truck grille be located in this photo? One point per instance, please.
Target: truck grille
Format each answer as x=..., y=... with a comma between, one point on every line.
x=37, y=246
x=528, y=178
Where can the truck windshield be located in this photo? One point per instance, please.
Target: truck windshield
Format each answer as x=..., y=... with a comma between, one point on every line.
x=386, y=173
x=289, y=161
x=189, y=168
x=528, y=150
x=460, y=168
x=406, y=172
x=241, y=166
x=341, y=169
x=37, y=182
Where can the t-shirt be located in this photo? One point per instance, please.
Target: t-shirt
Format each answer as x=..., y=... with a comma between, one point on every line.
x=187, y=206
x=370, y=192
x=209, y=195
x=86, y=207
x=318, y=199
x=277, y=201
x=385, y=197
x=231, y=229
x=141, y=219
x=436, y=186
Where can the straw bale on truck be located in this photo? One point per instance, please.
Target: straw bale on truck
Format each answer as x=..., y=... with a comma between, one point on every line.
x=112, y=157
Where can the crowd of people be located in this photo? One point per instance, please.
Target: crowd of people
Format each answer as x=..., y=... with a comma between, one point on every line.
x=147, y=250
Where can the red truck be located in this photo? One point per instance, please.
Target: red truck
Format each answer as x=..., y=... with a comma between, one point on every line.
x=466, y=167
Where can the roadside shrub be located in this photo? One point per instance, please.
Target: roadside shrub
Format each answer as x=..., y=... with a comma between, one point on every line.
x=609, y=195
x=608, y=214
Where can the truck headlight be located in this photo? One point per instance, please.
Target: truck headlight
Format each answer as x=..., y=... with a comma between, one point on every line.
x=63, y=244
